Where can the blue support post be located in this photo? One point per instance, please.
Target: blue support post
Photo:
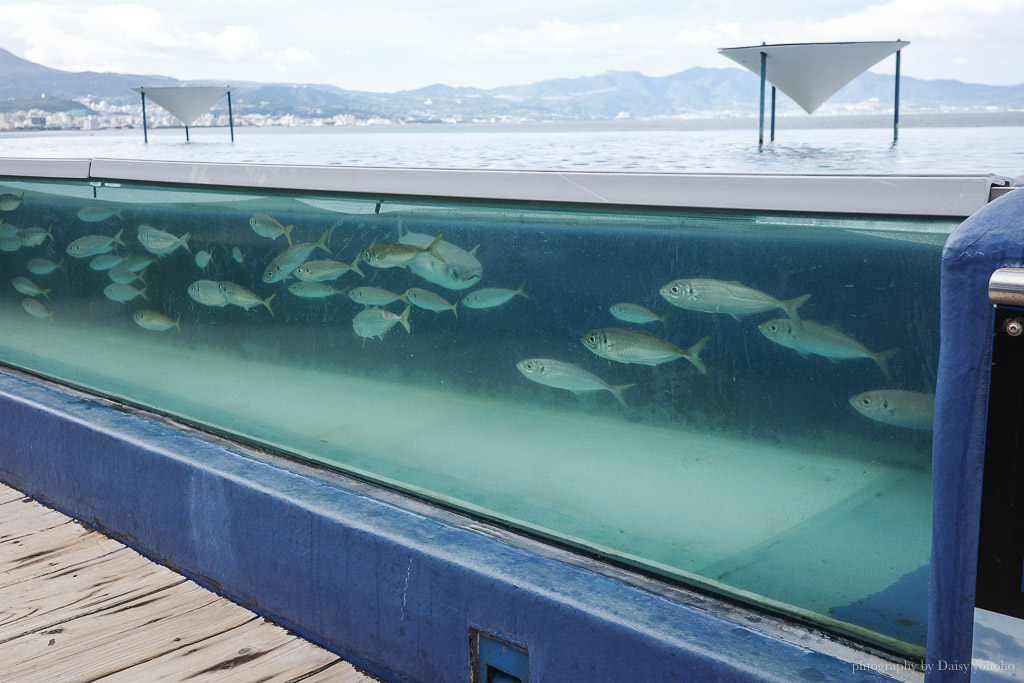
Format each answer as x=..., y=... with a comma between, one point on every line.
x=773, y=114
x=145, y=135
x=231, y=121
x=896, y=108
x=760, y=128
x=186, y=133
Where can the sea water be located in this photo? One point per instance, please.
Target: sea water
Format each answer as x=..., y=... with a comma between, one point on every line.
x=757, y=480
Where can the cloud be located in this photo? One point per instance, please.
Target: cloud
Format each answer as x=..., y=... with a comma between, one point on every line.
x=552, y=38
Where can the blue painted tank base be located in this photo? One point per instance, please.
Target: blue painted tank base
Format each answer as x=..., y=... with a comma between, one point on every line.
x=391, y=589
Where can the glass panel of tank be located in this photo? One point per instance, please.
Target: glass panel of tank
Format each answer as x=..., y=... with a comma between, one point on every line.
x=740, y=402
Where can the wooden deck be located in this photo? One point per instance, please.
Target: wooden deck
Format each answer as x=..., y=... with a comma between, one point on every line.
x=78, y=606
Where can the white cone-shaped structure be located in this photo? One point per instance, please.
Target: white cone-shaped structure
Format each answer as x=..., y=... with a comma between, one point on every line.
x=187, y=103
x=810, y=73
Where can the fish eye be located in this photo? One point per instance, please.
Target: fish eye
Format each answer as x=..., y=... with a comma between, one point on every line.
x=865, y=401
x=528, y=366
x=455, y=273
x=675, y=289
x=592, y=339
x=773, y=328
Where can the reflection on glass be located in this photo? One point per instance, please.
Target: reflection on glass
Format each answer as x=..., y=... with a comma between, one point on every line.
x=738, y=402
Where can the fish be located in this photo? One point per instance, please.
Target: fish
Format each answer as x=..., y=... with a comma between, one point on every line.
x=562, y=375
x=492, y=296
x=122, y=293
x=33, y=237
x=105, y=261
x=732, y=298
x=91, y=245
x=207, y=292
x=41, y=266
x=124, y=276
x=154, y=320
x=11, y=242
x=460, y=269
x=811, y=338
x=323, y=270
x=203, y=258
x=10, y=202
x=627, y=345
x=292, y=257
x=396, y=254
x=237, y=254
x=314, y=290
x=373, y=296
x=635, y=313
x=912, y=409
x=97, y=214
x=36, y=309
x=423, y=298
x=29, y=288
x=9, y=229
x=265, y=225
x=237, y=295
x=137, y=262
x=161, y=242
x=375, y=322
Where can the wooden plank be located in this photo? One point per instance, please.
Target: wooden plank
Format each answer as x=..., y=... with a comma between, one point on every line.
x=8, y=494
x=51, y=551
x=342, y=672
x=19, y=519
x=256, y=650
x=101, y=583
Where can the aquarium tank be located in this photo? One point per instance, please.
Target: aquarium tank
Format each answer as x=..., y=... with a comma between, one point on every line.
x=736, y=401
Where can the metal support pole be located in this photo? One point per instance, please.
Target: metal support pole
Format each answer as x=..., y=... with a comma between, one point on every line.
x=231, y=121
x=773, y=114
x=760, y=128
x=186, y=133
x=896, y=107
x=145, y=135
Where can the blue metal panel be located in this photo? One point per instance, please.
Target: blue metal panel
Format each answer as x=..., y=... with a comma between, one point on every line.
x=990, y=239
x=392, y=590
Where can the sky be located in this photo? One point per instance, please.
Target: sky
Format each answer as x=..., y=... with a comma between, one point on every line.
x=391, y=45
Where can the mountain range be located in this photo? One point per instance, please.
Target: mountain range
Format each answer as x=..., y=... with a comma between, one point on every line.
x=695, y=92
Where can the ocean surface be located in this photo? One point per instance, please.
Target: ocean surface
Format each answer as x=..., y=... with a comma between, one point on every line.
x=937, y=144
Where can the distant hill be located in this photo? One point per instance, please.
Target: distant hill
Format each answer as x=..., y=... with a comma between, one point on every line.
x=695, y=92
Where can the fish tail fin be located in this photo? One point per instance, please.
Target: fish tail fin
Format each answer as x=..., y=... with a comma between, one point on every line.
x=793, y=304
x=455, y=309
x=143, y=294
x=692, y=354
x=177, y=324
x=322, y=242
x=288, y=233
x=664, y=319
x=46, y=292
x=404, y=319
x=617, y=391
x=355, y=265
x=343, y=292
x=882, y=359
x=184, y=241
x=520, y=291
x=266, y=302
x=140, y=276
x=118, y=214
x=61, y=265
x=432, y=248
x=117, y=237
x=49, y=232
x=49, y=314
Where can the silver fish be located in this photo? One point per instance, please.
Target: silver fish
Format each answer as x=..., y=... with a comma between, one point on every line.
x=203, y=258
x=324, y=270
x=105, y=261
x=636, y=346
x=460, y=269
x=207, y=292
x=137, y=262
x=29, y=288
x=375, y=322
x=396, y=254
x=265, y=225
x=11, y=242
x=806, y=337
x=41, y=266
x=292, y=257
x=732, y=298
x=161, y=242
x=373, y=296
x=34, y=308
x=96, y=214
x=10, y=202
x=33, y=237
x=237, y=295
x=423, y=298
x=122, y=293
x=635, y=313
x=124, y=276
x=492, y=296
x=9, y=229
x=237, y=254
x=154, y=320
x=314, y=290
x=90, y=245
x=561, y=375
x=911, y=409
